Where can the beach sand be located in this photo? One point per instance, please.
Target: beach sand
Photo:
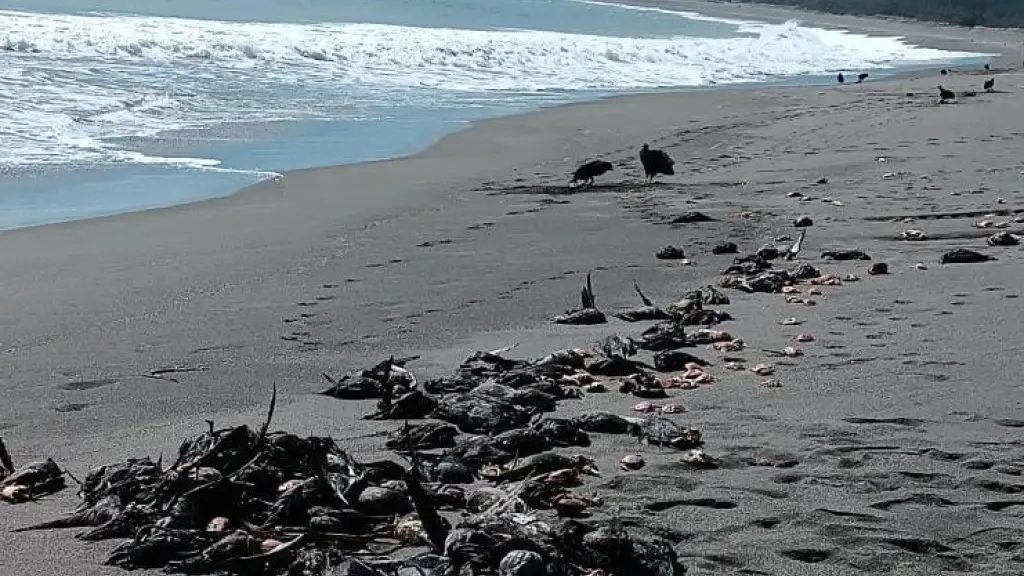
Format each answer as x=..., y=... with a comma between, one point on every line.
x=898, y=427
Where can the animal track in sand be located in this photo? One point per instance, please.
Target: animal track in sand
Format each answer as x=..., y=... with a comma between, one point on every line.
x=919, y=499
x=660, y=505
x=844, y=514
x=996, y=486
x=898, y=421
x=73, y=407
x=1000, y=505
x=807, y=555
x=80, y=385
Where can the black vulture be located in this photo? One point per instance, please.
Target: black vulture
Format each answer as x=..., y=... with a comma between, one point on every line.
x=988, y=68
x=656, y=162
x=862, y=77
x=840, y=78
x=943, y=72
x=989, y=84
x=588, y=171
x=945, y=95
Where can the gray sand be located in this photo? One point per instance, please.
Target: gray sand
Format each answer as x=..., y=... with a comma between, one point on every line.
x=460, y=248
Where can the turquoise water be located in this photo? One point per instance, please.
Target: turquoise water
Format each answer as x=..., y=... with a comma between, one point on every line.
x=112, y=106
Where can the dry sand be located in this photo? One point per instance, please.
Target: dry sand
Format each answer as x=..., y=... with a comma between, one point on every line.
x=902, y=417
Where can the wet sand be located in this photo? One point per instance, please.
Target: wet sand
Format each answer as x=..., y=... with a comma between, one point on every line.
x=898, y=427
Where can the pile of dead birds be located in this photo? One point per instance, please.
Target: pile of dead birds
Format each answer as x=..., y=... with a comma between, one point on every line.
x=476, y=490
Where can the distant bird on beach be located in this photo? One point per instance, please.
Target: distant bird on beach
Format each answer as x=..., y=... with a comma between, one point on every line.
x=862, y=77
x=840, y=78
x=943, y=71
x=990, y=84
x=656, y=162
x=588, y=171
x=946, y=95
x=988, y=68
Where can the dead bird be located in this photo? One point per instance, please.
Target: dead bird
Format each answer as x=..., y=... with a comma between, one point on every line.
x=542, y=464
x=426, y=436
x=371, y=383
x=655, y=162
x=588, y=314
x=562, y=432
x=603, y=423
x=670, y=253
x=964, y=256
x=845, y=254
x=588, y=171
x=649, y=311
x=665, y=336
x=32, y=481
x=660, y=431
x=675, y=360
x=482, y=414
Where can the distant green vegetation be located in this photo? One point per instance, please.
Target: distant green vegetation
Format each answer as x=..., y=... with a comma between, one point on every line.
x=995, y=13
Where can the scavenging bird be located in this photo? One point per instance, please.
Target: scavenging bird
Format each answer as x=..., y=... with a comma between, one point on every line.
x=945, y=95
x=989, y=84
x=656, y=162
x=862, y=77
x=588, y=171
x=840, y=78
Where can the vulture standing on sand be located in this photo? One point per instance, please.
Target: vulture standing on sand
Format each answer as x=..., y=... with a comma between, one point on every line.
x=656, y=162
x=862, y=77
x=943, y=72
x=990, y=84
x=840, y=78
x=945, y=95
x=588, y=171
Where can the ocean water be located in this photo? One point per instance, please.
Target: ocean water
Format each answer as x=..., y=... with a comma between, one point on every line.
x=118, y=105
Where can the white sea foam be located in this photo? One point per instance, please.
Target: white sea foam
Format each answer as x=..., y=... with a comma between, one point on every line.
x=71, y=83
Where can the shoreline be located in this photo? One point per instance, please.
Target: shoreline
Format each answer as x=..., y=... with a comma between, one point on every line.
x=739, y=12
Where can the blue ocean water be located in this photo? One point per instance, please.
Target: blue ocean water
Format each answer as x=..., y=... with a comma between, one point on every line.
x=114, y=106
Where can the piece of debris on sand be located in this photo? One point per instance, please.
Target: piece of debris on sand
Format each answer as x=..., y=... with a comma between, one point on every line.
x=964, y=256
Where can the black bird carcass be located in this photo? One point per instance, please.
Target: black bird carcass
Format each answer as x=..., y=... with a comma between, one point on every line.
x=588, y=171
x=656, y=162
x=946, y=95
x=990, y=84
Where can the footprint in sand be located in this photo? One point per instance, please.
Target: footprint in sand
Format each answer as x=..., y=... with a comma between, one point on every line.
x=73, y=407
